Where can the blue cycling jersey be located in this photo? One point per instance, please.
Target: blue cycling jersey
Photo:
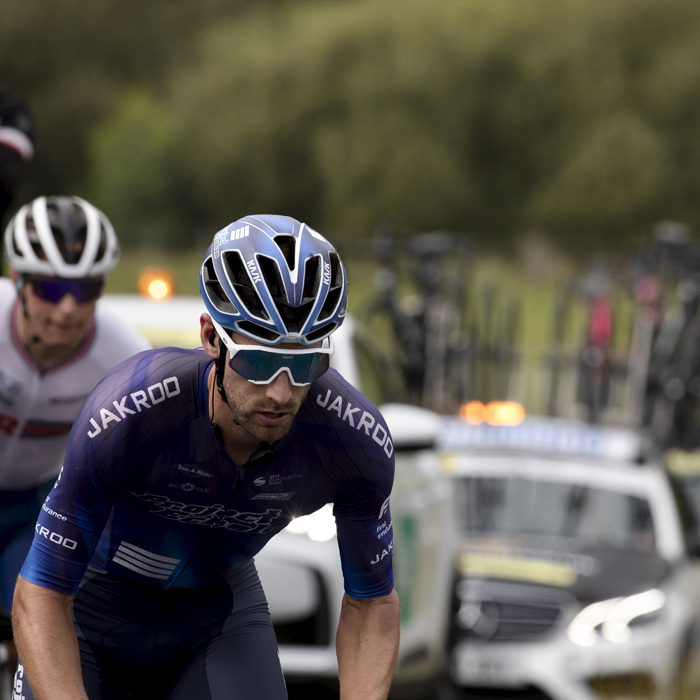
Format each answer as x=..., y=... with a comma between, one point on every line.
x=148, y=493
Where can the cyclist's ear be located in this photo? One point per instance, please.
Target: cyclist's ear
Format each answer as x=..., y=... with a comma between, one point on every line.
x=208, y=336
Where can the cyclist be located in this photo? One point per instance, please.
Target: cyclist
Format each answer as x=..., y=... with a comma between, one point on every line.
x=182, y=464
x=16, y=145
x=54, y=348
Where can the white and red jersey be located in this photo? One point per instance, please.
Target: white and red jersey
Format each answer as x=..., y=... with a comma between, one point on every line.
x=38, y=405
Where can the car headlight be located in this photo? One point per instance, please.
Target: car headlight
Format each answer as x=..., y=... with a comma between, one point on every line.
x=318, y=526
x=613, y=617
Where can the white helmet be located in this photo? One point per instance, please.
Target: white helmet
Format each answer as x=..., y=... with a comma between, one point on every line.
x=61, y=237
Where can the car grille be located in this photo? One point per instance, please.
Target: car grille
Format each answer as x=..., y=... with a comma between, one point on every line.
x=490, y=611
x=313, y=630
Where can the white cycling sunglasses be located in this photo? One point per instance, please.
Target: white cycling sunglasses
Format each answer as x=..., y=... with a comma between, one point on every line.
x=260, y=364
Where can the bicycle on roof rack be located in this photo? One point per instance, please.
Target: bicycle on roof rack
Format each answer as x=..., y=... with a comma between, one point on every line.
x=671, y=406
x=448, y=343
x=595, y=362
x=421, y=282
x=582, y=379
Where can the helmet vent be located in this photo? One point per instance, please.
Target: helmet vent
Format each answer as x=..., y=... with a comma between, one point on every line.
x=312, y=278
x=69, y=229
x=273, y=279
x=70, y=253
x=294, y=317
x=103, y=244
x=321, y=332
x=335, y=290
x=242, y=284
x=288, y=246
x=34, y=241
x=214, y=290
x=256, y=331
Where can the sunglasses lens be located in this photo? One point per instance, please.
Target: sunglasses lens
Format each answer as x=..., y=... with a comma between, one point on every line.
x=53, y=289
x=45, y=290
x=91, y=289
x=260, y=366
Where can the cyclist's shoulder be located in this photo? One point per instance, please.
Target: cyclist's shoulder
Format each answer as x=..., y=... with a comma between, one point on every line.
x=8, y=297
x=8, y=293
x=153, y=386
x=332, y=388
x=340, y=412
x=154, y=365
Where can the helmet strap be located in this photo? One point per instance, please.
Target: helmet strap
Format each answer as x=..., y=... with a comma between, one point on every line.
x=219, y=385
x=22, y=294
x=219, y=367
x=23, y=300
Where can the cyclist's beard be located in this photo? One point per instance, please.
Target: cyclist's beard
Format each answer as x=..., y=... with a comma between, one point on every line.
x=244, y=409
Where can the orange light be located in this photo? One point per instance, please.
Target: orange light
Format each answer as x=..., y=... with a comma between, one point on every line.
x=157, y=283
x=493, y=413
x=504, y=413
x=158, y=289
x=473, y=412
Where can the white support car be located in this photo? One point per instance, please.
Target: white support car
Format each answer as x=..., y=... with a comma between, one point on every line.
x=571, y=578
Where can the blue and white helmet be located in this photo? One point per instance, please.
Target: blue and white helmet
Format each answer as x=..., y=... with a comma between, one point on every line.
x=275, y=280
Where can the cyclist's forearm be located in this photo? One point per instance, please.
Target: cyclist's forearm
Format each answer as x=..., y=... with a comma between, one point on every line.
x=46, y=641
x=367, y=645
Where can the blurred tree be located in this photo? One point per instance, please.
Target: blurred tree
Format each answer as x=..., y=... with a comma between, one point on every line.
x=499, y=116
x=144, y=184
x=320, y=113
x=576, y=118
x=73, y=60
x=609, y=185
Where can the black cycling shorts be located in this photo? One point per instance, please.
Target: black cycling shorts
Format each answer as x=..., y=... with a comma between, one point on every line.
x=208, y=643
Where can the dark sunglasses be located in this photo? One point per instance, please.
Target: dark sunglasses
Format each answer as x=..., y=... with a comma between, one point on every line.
x=53, y=289
x=260, y=365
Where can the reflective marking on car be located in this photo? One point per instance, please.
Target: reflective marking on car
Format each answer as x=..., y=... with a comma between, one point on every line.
x=517, y=568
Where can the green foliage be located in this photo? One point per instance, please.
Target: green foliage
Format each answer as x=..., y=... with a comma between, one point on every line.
x=74, y=60
x=609, y=182
x=304, y=115
x=141, y=174
x=576, y=118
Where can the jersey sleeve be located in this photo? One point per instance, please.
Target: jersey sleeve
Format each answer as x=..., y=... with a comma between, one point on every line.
x=361, y=459
x=119, y=429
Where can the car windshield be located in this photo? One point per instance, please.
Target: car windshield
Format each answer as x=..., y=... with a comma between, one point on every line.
x=539, y=509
